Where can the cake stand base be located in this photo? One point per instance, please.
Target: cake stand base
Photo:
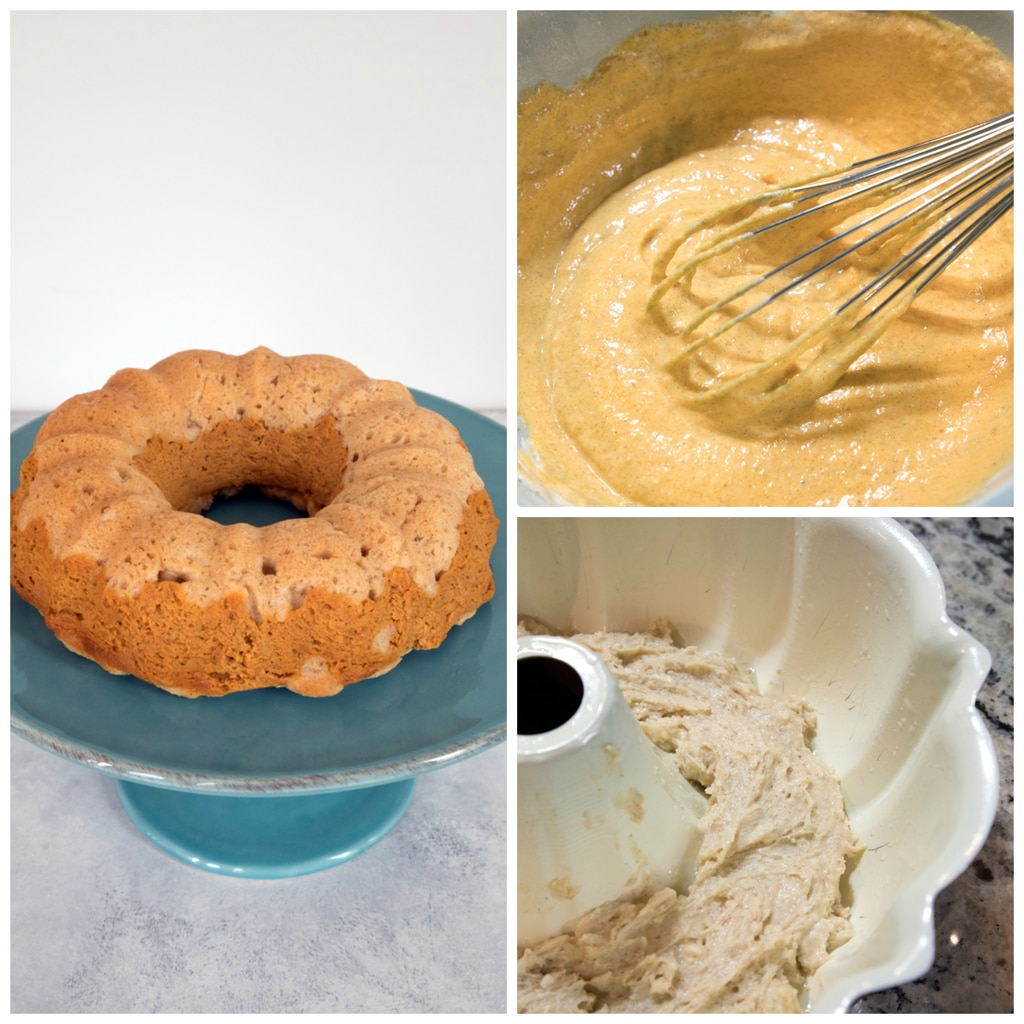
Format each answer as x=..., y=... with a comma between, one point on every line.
x=265, y=836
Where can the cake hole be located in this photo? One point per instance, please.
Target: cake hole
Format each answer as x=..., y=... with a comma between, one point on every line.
x=172, y=576
x=364, y=550
x=549, y=694
x=268, y=568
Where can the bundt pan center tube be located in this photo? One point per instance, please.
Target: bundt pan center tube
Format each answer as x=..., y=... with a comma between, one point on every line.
x=602, y=810
x=106, y=541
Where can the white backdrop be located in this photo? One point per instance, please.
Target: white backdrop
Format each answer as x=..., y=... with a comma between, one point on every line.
x=315, y=182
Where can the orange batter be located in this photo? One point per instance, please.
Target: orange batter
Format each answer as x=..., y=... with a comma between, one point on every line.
x=682, y=119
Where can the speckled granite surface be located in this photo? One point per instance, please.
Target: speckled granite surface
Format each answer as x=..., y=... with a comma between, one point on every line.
x=973, y=970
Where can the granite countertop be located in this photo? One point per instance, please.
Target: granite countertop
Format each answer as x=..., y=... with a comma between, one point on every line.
x=104, y=922
x=973, y=969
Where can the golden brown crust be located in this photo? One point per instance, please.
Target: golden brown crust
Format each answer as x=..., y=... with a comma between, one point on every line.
x=105, y=543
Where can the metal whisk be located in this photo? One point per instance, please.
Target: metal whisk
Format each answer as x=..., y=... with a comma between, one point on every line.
x=892, y=223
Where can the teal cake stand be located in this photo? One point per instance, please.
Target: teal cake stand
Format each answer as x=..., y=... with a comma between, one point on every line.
x=265, y=783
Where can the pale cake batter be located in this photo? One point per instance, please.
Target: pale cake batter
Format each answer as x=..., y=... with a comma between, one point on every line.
x=765, y=909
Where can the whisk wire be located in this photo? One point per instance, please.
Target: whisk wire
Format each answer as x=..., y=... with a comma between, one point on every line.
x=949, y=190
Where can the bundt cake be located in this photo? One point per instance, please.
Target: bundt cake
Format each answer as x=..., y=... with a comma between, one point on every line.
x=106, y=541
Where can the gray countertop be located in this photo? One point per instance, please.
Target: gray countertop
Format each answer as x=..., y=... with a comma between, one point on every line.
x=973, y=969
x=104, y=922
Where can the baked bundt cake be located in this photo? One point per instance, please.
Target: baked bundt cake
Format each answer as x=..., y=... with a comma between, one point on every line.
x=106, y=542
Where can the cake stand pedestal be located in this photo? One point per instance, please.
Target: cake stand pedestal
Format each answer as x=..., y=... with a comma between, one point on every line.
x=265, y=836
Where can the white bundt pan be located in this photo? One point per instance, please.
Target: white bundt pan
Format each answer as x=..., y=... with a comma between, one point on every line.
x=851, y=614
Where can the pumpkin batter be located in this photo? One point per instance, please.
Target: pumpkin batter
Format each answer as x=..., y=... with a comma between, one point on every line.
x=765, y=908
x=685, y=118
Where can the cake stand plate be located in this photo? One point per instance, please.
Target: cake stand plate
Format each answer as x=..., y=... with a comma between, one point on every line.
x=265, y=783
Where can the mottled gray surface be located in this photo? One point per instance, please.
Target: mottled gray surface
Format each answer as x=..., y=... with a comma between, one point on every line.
x=104, y=922
x=973, y=970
